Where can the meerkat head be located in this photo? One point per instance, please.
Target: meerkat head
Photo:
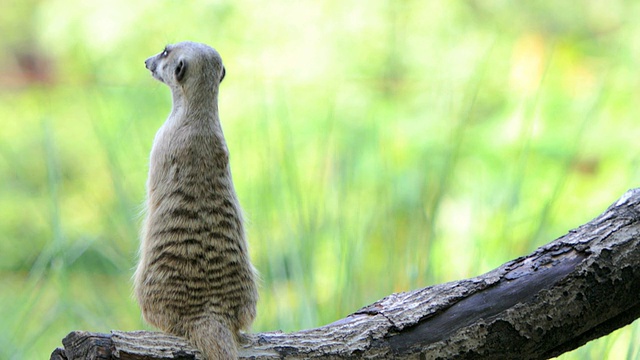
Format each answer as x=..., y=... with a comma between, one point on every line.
x=187, y=65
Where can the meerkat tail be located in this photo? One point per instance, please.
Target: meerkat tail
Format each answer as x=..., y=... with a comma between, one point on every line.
x=213, y=339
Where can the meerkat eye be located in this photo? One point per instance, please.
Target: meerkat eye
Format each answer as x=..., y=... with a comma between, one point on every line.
x=165, y=52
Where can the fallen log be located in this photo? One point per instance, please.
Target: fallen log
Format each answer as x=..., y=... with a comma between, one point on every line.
x=579, y=287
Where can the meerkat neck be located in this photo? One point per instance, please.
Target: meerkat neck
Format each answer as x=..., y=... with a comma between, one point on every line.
x=198, y=111
x=200, y=105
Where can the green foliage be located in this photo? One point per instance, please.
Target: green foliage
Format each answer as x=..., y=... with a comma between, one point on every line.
x=376, y=147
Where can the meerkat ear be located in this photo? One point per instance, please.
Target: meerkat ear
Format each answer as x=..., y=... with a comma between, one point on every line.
x=181, y=68
x=224, y=72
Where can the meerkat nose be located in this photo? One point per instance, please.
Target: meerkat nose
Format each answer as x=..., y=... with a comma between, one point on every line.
x=148, y=63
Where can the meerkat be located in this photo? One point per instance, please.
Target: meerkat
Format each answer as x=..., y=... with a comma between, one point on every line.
x=194, y=277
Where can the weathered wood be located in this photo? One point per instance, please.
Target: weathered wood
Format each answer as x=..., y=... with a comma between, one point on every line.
x=577, y=288
x=58, y=354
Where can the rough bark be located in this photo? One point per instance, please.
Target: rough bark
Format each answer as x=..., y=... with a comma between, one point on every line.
x=577, y=288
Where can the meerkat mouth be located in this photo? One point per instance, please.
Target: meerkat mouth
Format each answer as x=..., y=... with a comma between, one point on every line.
x=152, y=67
x=157, y=76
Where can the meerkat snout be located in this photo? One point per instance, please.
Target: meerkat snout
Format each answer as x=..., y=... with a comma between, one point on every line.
x=151, y=64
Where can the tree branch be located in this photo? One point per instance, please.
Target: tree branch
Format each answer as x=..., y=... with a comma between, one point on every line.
x=577, y=288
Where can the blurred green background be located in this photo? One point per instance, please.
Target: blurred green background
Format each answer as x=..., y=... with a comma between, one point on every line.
x=377, y=147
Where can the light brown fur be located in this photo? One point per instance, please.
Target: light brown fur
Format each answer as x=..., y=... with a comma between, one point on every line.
x=194, y=278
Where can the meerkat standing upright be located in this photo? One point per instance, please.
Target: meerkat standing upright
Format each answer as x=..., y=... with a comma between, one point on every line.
x=194, y=278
